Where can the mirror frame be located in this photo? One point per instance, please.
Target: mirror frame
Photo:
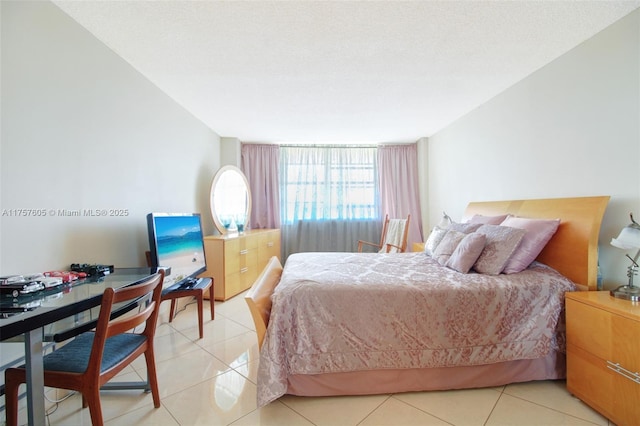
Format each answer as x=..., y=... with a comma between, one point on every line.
x=216, y=180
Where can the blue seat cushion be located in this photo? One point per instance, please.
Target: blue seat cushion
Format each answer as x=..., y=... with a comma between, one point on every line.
x=74, y=356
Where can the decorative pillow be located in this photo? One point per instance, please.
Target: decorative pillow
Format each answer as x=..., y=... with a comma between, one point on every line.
x=501, y=242
x=467, y=252
x=437, y=234
x=447, y=246
x=537, y=235
x=465, y=228
x=487, y=220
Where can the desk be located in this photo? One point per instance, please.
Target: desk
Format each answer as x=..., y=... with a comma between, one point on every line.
x=47, y=307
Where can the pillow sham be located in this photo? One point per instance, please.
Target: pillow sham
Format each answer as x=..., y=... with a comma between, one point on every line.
x=538, y=232
x=487, y=220
x=465, y=228
x=447, y=246
x=467, y=252
x=437, y=234
x=501, y=242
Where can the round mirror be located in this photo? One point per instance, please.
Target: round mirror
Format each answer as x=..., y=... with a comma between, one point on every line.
x=230, y=200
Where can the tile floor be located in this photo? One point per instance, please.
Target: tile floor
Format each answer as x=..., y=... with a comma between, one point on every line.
x=213, y=382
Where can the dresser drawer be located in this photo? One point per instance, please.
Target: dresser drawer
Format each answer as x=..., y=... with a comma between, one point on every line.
x=268, y=246
x=234, y=261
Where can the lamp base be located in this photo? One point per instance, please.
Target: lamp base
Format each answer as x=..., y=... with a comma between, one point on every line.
x=626, y=292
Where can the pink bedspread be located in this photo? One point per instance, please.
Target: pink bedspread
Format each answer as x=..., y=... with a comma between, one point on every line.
x=339, y=312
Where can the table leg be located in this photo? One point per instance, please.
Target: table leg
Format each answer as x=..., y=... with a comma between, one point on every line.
x=35, y=377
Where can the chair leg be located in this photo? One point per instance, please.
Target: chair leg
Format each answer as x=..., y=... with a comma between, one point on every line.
x=95, y=409
x=200, y=298
x=13, y=378
x=152, y=377
x=211, y=300
x=172, y=312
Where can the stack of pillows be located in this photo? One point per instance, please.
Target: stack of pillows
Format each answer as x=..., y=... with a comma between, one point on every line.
x=490, y=244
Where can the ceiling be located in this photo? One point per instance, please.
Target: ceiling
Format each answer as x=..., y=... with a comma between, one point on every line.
x=339, y=71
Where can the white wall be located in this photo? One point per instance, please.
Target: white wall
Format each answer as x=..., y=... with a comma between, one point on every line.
x=81, y=129
x=230, y=152
x=570, y=129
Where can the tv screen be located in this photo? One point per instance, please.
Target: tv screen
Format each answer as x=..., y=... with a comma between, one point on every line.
x=175, y=240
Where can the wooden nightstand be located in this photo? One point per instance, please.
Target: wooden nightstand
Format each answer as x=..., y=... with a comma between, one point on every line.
x=417, y=247
x=603, y=354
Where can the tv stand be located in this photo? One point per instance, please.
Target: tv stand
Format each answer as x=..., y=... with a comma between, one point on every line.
x=197, y=290
x=175, y=292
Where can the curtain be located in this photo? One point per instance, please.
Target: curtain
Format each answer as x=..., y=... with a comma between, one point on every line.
x=329, y=198
x=399, y=186
x=261, y=164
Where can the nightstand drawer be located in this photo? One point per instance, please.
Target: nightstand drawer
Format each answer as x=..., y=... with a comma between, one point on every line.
x=589, y=329
x=589, y=379
x=603, y=356
x=626, y=344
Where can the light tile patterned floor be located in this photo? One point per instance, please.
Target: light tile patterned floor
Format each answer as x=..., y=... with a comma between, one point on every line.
x=212, y=381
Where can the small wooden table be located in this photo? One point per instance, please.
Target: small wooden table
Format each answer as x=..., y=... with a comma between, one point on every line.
x=197, y=291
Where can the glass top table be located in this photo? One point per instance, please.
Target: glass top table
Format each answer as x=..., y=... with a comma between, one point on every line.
x=28, y=315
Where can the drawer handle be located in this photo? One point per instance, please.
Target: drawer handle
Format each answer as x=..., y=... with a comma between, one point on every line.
x=243, y=270
x=616, y=367
x=245, y=251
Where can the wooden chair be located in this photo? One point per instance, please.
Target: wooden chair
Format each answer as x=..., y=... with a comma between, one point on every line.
x=393, y=238
x=93, y=358
x=197, y=292
x=258, y=297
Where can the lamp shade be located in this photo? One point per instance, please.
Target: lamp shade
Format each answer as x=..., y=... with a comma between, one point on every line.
x=629, y=237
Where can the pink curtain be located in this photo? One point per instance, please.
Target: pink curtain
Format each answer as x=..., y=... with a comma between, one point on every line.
x=261, y=165
x=399, y=195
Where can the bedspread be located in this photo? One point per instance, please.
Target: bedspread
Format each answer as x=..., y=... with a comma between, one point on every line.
x=340, y=312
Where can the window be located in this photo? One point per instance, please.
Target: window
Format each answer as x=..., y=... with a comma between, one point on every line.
x=328, y=183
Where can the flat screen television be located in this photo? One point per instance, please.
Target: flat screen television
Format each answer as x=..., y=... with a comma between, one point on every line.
x=175, y=241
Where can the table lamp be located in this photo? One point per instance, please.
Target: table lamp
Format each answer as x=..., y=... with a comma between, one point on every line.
x=629, y=239
x=445, y=221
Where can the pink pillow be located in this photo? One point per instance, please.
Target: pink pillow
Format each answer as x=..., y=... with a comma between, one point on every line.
x=502, y=241
x=467, y=252
x=538, y=233
x=447, y=246
x=487, y=220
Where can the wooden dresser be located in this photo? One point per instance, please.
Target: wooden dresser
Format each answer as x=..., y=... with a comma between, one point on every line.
x=603, y=354
x=235, y=260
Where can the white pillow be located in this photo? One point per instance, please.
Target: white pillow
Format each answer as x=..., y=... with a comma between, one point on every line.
x=437, y=234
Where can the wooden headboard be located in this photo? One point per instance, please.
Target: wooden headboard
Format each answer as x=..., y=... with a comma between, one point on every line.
x=573, y=250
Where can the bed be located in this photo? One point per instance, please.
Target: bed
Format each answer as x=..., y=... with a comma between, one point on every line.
x=359, y=323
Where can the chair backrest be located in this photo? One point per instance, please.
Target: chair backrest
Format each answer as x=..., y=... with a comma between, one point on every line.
x=383, y=235
x=145, y=296
x=258, y=297
x=395, y=237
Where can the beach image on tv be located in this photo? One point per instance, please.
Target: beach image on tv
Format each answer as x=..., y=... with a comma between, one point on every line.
x=179, y=245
